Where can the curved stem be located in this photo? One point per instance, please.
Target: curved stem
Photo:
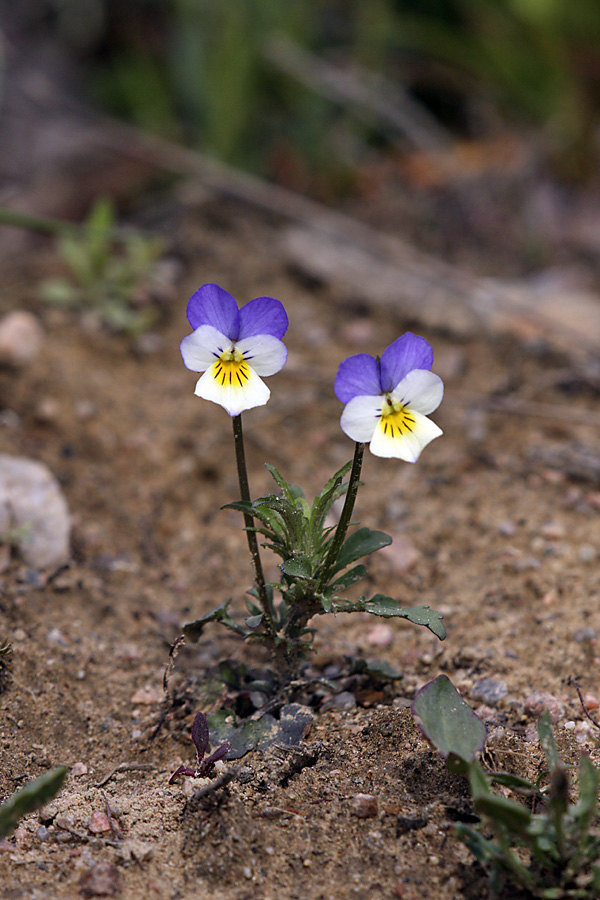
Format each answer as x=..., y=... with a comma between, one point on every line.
x=240, y=456
x=347, y=510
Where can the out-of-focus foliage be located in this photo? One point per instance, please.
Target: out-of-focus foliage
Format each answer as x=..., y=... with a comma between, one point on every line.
x=197, y=70
x=107, y=280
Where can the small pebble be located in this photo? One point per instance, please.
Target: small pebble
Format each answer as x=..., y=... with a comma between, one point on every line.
x=507, y=528
x=585, y=634
x=364, y=806
x=486, y=713
x=102, y=880
x=79, y=769
x=21, y=339
x=538, y=701
x=380, y=636
x=66, y=823
x=553, y=531
x=344, y=701
x=147, y=696
x=489, y=690
x=42, y=833
x=245, y=775
x=587, y=553
x=48, y=813
x=590, y=701
x=56, y=638
x=99, y=823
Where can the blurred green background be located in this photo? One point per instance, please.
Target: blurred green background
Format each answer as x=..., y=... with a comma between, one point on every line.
x=209, y=73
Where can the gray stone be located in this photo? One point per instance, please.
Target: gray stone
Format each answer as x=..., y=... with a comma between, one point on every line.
x=489, y=690
x=34, y=514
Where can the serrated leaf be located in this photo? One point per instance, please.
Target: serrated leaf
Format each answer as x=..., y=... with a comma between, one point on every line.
x=298, y=566
x=380, y=605
x=31, y=797
x=447, y=721
x=360, y=543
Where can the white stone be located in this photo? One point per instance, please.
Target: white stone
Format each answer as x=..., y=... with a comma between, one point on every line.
x=33, y=512
x=21, y=338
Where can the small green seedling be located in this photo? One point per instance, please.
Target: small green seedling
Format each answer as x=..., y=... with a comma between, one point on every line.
x=33, y=796
x=553, y=849
x=104, y=277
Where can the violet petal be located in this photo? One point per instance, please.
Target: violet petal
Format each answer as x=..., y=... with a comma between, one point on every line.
x=211, y=305
x=263, y=315
x=406, y=353
x=357, y=376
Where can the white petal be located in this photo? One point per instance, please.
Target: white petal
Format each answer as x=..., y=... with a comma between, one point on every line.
x=234, y=398
x=264, y=352
x=200, y=348
x=361, y=416
x=420, y=390
x=407, y=447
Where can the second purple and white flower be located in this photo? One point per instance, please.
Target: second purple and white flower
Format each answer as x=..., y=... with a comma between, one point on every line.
x=388, y=399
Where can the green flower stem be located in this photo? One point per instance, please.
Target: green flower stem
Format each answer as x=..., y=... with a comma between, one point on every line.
x=240, y=456
x=348, y=509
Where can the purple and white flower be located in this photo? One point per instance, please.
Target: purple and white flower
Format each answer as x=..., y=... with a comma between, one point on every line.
x=234, y=347
x=388, y=399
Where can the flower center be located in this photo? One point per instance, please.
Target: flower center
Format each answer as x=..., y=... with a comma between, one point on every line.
x=396, y=420
x=230, y=369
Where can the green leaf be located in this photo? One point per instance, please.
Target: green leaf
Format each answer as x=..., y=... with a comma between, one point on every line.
x=193, y=630
x=447, y=721
x=516, y=782
x=60, y=292
x=348, y=578
x=361, y=543
x=333, y=489
x=478, y=780
x=483, y=850
x=512, y=815
x=589, y=782
x=326, y=603
x=288, y=489
x=31, y=797
x=380, y=605
x=546, y=736
x=270, y=518
x=298, y=566
x=254, y=621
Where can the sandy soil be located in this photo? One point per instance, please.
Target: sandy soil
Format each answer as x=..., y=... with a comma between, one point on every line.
x=487, y=530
